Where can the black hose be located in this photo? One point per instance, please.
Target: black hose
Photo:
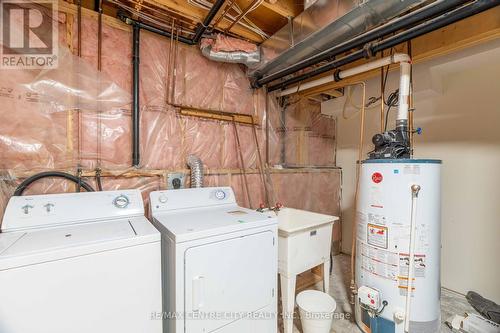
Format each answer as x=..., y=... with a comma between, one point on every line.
x=50, y=174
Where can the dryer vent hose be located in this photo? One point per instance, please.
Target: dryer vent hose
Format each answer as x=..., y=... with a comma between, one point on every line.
x=196, y=166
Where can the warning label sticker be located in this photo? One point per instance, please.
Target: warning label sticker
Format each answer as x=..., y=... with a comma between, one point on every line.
x=419, y=263
x=379, y=262
x=377, y=235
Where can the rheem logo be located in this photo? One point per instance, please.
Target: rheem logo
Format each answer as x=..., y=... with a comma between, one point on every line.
x=377, y=177
x=29, y=34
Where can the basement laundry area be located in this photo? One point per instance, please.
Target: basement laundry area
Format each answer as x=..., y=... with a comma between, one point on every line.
x=242, y=166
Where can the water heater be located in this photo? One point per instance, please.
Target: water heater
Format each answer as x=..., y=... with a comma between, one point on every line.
x=398, y=246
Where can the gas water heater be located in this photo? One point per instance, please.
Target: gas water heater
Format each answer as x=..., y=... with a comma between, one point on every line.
x=398, y=245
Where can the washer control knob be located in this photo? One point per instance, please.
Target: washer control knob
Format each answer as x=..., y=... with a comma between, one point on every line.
x=121, y=201
x=26, y=208
x=163, y=198
x=220, y=195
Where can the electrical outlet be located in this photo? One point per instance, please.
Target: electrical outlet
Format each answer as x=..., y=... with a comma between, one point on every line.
x=175, y=181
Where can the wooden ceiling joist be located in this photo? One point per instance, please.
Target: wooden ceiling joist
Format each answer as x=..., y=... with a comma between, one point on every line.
x=285, y=8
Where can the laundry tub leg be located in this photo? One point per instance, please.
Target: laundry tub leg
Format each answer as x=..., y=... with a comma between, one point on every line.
x=326, y=276
x=288, y=300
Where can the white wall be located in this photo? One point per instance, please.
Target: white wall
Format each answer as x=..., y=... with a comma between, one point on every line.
x=457, y=100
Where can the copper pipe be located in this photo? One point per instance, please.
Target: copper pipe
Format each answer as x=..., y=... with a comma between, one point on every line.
x=358, y=172
x=242, y=15
x=224, y=13
x=79, y=28
x=411, y=126
x=169, y=65
x=243, y=170
x=382, y=97
x=261, y=166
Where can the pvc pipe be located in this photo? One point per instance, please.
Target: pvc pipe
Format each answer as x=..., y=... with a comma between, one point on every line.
x=404, y=82
x=415, y=189
x=404, y=93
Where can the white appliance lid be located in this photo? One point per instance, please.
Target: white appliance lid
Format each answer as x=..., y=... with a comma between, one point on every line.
x=49, y=210
x=189, y=224
x=47, y=244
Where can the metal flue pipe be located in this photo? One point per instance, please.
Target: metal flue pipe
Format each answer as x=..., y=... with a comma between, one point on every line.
x=441, y=21
x=403, y=22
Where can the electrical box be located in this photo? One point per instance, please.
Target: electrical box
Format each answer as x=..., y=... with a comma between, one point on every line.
x=369, y=297
x=175, y=181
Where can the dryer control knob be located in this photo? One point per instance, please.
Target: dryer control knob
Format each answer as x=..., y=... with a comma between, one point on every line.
x=121, y=201
x=162, y=198
x=220, y=195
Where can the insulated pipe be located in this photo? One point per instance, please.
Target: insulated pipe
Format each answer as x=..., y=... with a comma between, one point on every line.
x=135, y=96
x=196, y=166
x=404, y=82
x=458, y=14
x=403, y=22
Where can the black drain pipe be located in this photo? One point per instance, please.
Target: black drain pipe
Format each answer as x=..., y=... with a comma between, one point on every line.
x=456, y=15
x=206, y=22
x=136, y=28
x=136, y=158
x=427, y=12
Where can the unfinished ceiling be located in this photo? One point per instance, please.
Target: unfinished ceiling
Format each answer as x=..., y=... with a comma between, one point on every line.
x=253, y=20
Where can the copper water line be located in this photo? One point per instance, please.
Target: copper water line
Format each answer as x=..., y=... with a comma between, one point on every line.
x=242, y=15
x=224, y=13
x=169, y=64
x=382, y=97
x=411, y=106
x=261, y=166
x=243, y=170
x=174, y=67
x=358, y=172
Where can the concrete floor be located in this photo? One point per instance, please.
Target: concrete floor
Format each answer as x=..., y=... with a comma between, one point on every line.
x=451, y=303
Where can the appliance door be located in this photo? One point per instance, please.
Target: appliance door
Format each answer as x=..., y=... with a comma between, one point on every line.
x=105, y=292
x=228, y=280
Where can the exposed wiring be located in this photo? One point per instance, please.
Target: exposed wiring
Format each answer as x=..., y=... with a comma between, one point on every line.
x=392, y=101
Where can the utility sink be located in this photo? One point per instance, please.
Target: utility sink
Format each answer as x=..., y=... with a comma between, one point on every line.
x=304, y=242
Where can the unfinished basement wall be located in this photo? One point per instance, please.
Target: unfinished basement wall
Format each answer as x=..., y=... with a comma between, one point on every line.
x=75, y=116
x=456, y=100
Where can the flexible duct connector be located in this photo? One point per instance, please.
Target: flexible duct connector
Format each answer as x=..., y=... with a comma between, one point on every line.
x=236, y=57
x=196, y=166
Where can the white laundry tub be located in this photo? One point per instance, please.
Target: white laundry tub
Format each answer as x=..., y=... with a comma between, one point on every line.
x=304, y=242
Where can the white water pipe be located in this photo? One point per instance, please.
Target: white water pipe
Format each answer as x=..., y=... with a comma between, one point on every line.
x=404, y=61
x=415, y=189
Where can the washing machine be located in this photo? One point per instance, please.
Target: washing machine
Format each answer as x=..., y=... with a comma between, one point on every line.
x=79, y=262
x=219, y=262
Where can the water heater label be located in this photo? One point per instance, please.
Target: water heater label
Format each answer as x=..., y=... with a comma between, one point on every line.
x=377, y=177
x=377, y=235
x=379, y=262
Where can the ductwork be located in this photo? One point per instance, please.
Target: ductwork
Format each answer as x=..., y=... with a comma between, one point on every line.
x=237, y=57
x=323, y=24
x=196, y=166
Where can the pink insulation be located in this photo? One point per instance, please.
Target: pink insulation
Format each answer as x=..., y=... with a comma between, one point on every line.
x=77, y=116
